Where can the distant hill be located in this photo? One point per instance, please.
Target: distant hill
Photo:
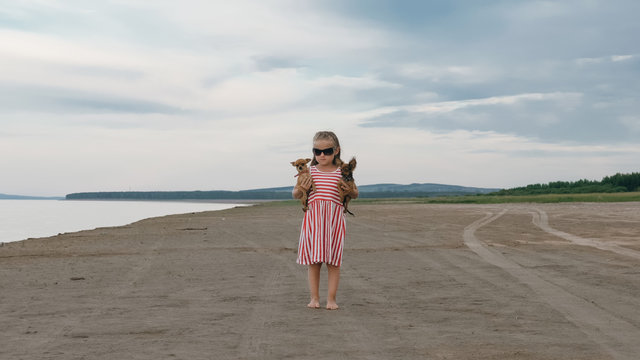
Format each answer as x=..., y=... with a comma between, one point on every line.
x=278, y=193
x=416, y=190
x=23, y=197
x=415, y=187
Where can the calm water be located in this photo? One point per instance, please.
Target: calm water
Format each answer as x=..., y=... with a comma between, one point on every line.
x=23, y=219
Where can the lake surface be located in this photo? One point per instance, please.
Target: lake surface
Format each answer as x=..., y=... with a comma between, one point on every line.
x=23, y=219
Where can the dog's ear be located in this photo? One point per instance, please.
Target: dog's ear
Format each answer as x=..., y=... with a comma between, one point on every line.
x=353, y=163
x=307, y=160
x=293, y=163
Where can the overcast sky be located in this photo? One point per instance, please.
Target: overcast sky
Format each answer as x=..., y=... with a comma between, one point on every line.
x=222, y=95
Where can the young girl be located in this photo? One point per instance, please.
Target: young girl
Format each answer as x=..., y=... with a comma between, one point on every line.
x=323, y=227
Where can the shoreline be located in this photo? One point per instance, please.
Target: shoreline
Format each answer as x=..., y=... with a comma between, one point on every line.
x=216, y=201
x=34, y=219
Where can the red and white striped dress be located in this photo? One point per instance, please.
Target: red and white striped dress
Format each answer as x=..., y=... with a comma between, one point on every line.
x=323, y=227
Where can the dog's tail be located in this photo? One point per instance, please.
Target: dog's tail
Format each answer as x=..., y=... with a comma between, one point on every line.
x=347, y=211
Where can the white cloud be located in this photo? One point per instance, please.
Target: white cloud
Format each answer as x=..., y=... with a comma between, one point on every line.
x=464, y=74
x=361, y=83
x=120, y=71
x=449, y=106
x=605, y=59
x=616, y=58
x=258, y=91
x=271, y=27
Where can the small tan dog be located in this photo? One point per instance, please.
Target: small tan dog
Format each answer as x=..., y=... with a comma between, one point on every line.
x=347, y=176
x=303, y=173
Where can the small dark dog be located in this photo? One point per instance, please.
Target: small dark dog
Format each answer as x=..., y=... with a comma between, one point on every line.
x=347, y=176
x=303, y=173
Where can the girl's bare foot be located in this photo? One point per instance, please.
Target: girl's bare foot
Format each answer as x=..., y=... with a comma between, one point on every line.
x=331, y=305
x=314, y=304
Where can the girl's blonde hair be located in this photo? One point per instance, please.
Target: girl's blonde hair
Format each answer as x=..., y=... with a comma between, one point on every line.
x=327, y=135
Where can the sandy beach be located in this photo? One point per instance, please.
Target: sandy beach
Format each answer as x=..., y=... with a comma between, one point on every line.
x=516, y=281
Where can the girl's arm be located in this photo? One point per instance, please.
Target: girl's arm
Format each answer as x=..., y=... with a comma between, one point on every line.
x=302, y=188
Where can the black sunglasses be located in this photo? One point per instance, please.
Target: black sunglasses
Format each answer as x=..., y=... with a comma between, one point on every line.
x=327, y=151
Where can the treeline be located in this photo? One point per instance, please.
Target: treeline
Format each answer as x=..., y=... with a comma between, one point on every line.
x=237, y=195
x=181, y=195
x=609, y=184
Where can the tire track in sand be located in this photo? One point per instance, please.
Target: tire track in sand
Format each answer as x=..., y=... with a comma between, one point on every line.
x=616, y=336
x=541, y=220
x=257, y=331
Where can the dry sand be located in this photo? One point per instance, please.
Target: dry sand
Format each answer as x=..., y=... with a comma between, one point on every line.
x=523, y=281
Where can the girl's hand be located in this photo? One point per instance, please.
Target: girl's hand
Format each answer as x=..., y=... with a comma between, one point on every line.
x=305, y=185
x=302, y=188
x=344, y=186
x=351, y=191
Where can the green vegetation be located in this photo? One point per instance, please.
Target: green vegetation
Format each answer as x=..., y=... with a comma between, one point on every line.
x=181, y=195
x=609, y=184
x=502, y=199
